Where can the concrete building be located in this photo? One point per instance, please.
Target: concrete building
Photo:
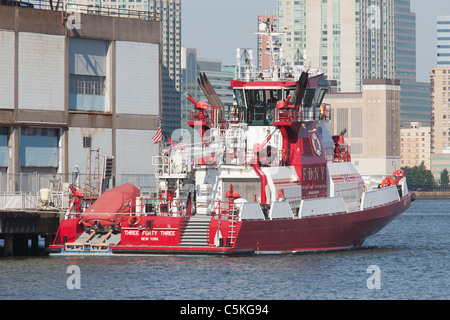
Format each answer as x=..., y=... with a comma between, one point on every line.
x=415, y=145
x=353, y=40
x=371, y=118
x=169, y=14
x=439, y=162
x=440, y=116
x=263, y=56
x=74, y=84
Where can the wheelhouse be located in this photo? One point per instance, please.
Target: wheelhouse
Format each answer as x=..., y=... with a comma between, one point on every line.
x=256, y=101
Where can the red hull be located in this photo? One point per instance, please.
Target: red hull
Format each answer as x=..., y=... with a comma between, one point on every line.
x=321, y=233
x=332, y=232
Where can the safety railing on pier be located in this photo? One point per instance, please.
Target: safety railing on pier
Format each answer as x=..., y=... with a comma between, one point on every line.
x=30, y=191
x=19, y=200
x=104, y=10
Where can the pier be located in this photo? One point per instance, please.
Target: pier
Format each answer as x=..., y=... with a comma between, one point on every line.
x=432, y=194
x=17, y=228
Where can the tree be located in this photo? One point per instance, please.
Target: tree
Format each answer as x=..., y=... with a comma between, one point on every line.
x=444, y=178
x=419, y=175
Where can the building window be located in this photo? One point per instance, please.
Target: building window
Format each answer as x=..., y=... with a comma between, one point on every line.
x=93, y=86
x=87, y=93
x=87, y=142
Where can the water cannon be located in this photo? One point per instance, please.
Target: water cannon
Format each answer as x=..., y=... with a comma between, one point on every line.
x=341, y=136
x=78, y=194
x=201, y=105
x=284, y=104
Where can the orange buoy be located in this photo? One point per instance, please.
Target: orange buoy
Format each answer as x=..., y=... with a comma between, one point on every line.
x=133, y=221
x=281, y=194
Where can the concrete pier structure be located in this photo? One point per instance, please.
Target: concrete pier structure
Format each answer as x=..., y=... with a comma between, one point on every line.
x=18, y=227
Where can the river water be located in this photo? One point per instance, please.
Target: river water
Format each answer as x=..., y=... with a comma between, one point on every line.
x=406, y=260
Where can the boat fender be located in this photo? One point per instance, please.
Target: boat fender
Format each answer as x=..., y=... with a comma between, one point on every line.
x=280, y=194
x=388, y=181
x=133, y=221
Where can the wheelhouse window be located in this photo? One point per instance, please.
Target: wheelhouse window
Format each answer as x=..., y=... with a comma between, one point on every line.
x=257, y=106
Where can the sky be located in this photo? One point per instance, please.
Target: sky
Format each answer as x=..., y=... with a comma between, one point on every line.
x=216, y=28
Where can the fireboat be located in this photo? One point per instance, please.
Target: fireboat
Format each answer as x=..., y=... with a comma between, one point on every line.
x=265, y=178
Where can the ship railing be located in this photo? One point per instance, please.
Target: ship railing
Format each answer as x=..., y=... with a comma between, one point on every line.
x=266, y=157
x=227, y=211
x=210, y=116
x=305, y=113
x=206, y=154
x=165, y=166
x=239, y=157
x=183, y=220
x=289, y=115
x=224, y=210
x=77, y=207
x=175, y=207
x=340, y=153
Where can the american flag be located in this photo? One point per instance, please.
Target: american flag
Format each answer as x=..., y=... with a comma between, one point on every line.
x=158, y=136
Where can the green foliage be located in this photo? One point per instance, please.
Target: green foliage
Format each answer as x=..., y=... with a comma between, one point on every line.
x=444, y=178
x=419, y=175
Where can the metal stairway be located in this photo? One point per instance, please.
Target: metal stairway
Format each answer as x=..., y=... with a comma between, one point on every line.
x=196, y=232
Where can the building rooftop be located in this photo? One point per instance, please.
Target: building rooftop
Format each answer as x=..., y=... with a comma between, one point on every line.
x=84, y=8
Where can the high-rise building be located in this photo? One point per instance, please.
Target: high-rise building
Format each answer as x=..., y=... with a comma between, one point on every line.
x=189, y=84
x=415, y=96
x=170, y=17
x=170, y=12
x=443, y=41
x=262, y=45
x=440, y=100
x=353, y=40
